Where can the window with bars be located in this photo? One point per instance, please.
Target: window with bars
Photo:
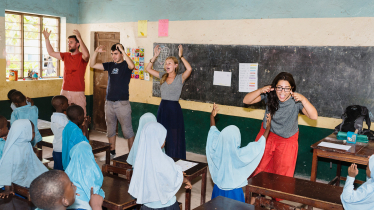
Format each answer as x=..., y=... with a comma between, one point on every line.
x=25, y=45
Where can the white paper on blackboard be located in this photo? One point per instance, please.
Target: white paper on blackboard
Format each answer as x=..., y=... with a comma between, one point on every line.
x=222, y=78
x=248, y=77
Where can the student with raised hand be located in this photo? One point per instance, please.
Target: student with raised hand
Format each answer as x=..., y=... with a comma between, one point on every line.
x=25, y=111
x=72, y=133
x=58, y=122
x=19, y=164
x=229, y=164
x=156, y=178
x=363, y=197
x=169, y=112
x=284, y=105
x=84, y=172
x=3, y=133
x=117, y=104
x=144, y=119
x=53, y=190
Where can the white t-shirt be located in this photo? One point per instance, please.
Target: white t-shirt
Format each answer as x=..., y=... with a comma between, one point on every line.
x=58, y=123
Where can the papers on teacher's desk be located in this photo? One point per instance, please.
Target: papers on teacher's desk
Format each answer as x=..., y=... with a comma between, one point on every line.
x=43, y=124
x=334, y=146
x=185, y=164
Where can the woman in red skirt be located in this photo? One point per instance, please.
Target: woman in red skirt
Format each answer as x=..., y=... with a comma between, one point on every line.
x=283, y=104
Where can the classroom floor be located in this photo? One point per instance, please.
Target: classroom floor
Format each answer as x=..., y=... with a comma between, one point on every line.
x=122, y=148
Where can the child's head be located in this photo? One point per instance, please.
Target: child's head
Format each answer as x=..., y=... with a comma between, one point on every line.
x=3, y=126
x=10, y=93
x=18, y=99
x=75, y=114
x=60, y=103
x=52, y=189
x=370, y=166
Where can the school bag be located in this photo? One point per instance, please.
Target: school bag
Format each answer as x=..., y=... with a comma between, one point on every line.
x=353, y=119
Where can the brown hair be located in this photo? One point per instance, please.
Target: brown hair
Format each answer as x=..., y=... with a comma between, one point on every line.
x=165, y=76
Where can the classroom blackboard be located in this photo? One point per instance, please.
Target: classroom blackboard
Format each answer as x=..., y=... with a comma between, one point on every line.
x=331, y=77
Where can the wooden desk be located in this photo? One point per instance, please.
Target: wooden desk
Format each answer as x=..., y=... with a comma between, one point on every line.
x=97, y=146
x=314, y=194
x=14, y=202
x=222, y=203
x=358, y=153
x=199, y=170
x=116, y=193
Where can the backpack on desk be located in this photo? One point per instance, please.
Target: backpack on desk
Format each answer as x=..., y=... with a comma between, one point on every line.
x=353, y=119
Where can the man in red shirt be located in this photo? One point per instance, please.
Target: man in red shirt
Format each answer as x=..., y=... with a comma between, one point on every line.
x=75, y=67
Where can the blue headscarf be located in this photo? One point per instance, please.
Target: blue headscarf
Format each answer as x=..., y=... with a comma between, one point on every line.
x=71, y=135
x=84, y=172
x=31, y=113
x=144, y=119
x=2, y=144
x=229, y=165
x=363, y=197
x=155, y=177
x=19, y=163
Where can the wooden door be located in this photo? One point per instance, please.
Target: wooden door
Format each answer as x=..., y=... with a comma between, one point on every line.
x=106, y=39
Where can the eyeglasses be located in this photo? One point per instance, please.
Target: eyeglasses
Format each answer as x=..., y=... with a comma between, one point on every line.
x=279, y=89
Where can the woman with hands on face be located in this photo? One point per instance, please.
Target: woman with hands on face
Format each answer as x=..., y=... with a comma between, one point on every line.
x=169, y=113
x=284, y=105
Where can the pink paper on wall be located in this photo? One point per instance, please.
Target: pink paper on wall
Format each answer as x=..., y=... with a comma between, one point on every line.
x=163, y=27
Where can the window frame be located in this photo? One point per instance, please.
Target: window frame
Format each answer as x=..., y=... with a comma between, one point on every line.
x=40, y=71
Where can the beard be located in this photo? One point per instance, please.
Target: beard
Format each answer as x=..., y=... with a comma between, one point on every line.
x=72, y=50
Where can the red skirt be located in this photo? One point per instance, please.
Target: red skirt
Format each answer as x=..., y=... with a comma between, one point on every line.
x=280, y=154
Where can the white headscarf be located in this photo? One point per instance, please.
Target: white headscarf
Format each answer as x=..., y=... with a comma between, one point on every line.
x=19, y=163
x=156, y=177
x=363, y=197
x=144, y=119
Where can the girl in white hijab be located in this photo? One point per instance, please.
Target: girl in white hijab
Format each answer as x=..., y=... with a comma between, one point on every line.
x=156, y=178
x=19, y=164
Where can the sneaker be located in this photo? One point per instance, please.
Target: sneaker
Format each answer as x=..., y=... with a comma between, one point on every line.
x=102, y=159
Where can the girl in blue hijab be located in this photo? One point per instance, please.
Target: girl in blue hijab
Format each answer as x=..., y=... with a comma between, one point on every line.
x=229, y=165
x=144, y=119
x=156, y=177
x=363, y=197
x=19, y=164
x=84, y=172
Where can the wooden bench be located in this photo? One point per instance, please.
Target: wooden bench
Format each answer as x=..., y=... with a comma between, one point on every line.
x=199, y=170
x=310, y=193
x=97, y=146
x=15, y=202
x=222, y=203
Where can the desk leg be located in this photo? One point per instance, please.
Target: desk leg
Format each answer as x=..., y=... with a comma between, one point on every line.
x=188, y=199
x=247, y=195
x=203, y=187
x=313, y=175
x=338, y=172
x=107, y=158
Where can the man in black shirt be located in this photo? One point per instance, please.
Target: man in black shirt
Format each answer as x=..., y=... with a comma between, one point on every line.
x=117, y=105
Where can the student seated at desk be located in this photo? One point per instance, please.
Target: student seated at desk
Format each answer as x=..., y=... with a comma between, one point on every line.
x=25, y=111
x=29, y=101
x=144, y=119
x=84, y=172
x=3, y=133
x=156, y=178
x=53, y=190
x=58, y=123
x=363, y=197
x=19, y=164
x=72, y=133
x=229, y=165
